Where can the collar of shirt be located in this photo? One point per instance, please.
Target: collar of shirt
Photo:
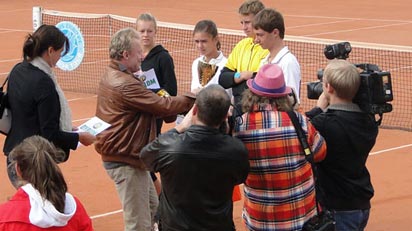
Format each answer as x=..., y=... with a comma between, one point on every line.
x=345, y=107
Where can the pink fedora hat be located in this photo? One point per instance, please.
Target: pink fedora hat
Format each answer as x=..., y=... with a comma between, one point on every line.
x=269, y=82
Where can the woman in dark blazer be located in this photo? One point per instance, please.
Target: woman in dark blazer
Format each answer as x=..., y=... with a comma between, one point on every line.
x=37, y=103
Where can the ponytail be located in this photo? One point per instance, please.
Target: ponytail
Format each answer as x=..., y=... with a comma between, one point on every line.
x=44, y=37
x=36, y=159
x=29, y=47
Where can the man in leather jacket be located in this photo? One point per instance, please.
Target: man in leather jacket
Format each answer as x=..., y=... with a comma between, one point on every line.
x=199, y=166
x=131, y=109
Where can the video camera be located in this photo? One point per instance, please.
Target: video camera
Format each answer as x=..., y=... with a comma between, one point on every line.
x=375, y=90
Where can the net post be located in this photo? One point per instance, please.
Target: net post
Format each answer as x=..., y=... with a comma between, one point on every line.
x=37, y=17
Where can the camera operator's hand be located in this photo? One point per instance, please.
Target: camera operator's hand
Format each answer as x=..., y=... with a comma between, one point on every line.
x=323, y=102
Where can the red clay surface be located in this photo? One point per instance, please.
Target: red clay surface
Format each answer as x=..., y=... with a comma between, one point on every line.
x=387, y=22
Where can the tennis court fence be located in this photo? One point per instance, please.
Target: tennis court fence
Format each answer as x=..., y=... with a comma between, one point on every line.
x=97, y=30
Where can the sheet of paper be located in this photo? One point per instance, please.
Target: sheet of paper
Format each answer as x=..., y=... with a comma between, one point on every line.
x=94, y=126
x=150, y=79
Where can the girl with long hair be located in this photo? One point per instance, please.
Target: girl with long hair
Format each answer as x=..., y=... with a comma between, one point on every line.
x=42, y=201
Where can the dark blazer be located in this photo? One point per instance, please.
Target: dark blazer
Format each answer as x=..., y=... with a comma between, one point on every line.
x=35, y=109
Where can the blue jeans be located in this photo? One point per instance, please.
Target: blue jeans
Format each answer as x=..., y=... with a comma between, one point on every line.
x=351, y=220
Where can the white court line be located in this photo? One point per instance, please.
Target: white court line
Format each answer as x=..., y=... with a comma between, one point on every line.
x=82, y=98
x=14, y=10
x=372, y=153
x=9, y=60
x=77, y=99
x=362, y=28
x=14, y=30
x=106, y=214
x=390, y=149
x=321, y=23
x=85, y=119
x=80, y=120
x=346, y=18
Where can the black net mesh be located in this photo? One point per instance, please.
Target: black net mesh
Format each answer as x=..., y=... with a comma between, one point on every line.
x=178, y=41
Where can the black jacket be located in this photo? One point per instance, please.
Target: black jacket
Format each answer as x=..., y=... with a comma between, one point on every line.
x=350, y=135
x=199, y=169
x=160, y=60
x=226, y=80
x=35, y=109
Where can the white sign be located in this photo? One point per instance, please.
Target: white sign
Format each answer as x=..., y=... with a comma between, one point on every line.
x=94, y=126
x=150, y=79
x=74, y=56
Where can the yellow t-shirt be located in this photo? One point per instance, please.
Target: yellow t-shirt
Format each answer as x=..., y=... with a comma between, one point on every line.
x=246, y=56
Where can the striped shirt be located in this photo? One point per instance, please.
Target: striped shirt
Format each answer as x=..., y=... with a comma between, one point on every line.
x=279, y=190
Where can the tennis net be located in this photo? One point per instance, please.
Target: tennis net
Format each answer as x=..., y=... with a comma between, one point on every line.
x=97, y=30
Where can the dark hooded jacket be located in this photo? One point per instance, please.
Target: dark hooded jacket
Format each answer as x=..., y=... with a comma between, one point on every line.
x=160, y=60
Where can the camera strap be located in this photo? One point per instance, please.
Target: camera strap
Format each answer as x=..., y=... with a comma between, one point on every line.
x=235, y=119
x=308, y=156
x=302, y=136
x=3, y=97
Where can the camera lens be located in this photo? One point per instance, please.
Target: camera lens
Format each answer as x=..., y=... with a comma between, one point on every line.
x=329, y=52
x=338, y=50
x=348, y=47
x=315, y=89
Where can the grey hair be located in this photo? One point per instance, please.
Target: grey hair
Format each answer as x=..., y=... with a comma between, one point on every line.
x=122, y=41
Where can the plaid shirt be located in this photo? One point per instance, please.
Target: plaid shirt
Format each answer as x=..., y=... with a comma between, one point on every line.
x=279, y=190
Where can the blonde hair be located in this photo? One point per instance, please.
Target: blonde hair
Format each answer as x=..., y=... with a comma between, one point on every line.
x=343, y=77
x=147, y=17
x=251, y=7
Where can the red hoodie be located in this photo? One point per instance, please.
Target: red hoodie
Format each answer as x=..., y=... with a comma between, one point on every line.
x=14, y=215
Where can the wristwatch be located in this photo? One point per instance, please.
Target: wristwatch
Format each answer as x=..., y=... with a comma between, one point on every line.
x=237, y=75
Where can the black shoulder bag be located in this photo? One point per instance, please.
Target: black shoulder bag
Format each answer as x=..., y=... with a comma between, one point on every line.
x=5, y=113
x=324, y=221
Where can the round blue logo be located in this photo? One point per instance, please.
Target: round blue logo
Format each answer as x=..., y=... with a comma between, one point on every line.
x=74, y=57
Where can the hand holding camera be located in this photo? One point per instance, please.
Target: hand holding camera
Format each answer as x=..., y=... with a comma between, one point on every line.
x=375, y=90
x=323, y=102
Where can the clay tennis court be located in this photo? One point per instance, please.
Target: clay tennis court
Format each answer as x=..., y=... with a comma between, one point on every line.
x=387, y=22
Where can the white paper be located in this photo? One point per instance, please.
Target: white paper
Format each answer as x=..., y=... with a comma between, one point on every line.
x=150, y=79
x=94, y=126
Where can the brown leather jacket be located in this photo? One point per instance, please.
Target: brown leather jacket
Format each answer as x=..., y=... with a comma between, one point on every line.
x=124, y=102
